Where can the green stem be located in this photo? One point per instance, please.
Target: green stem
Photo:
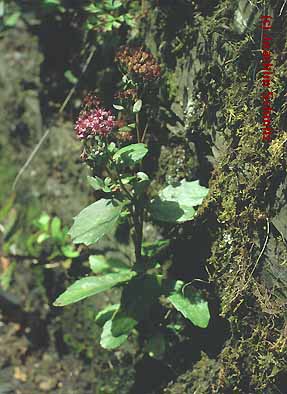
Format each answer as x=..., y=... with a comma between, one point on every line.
x=138, y=127
x=138, y=223
x=136, y=213
x=124, y=189
x=144, y=132
x=129, y=195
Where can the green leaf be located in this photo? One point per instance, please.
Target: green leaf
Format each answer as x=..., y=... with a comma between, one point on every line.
x=69, y=251
x=6, y=206
x=192, y=306
x=118, y=107
x=43, y=222
x=122, y=324
x=98, y=184
x=42, y=238
x=137, y=106
x=70, y=77
x=100, y=263
x=11, y=20
x=112, y=148
x=52, y=2
x=149, y=249
x=112, y=4
x=174, y=204
x=91, y=285
x=138, y=296
x=108, y=340
x=126, y=128
x=106, y=314
x=131, y=154
x=169, y=211
x=142, y=176
x=128, y=179
x=95, y=221
x=92, y=8
x=7, y=275
x=107, y=182
x=116, y=24
x=56, y=228
x=129, y=20
x=141, y=183
x=175, y=328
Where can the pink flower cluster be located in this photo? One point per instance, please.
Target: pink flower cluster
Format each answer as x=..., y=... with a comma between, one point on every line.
x=96, y=121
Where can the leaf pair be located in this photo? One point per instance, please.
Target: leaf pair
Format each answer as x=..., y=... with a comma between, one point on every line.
x=131, y=154
x=138, y=296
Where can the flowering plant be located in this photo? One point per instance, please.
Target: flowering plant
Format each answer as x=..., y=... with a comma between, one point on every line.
x=115, y=146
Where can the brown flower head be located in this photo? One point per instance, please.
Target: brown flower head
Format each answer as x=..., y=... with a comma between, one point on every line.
x=124, y=136
x=139, y=63
x=126, y=94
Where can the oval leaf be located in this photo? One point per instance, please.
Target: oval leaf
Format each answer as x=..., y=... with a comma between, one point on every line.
x=89, y=286
x=95, y=221
x=108, y=340
x=56, y=228
x=131, y=154
x=106, y=314
x=174, y=204
x=122, y=324
x=100, y=263
x=192, y=306
x=96, y=182
x=118, y=107
x=137, y=106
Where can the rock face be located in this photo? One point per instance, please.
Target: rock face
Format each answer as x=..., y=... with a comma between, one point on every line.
x=213, y=67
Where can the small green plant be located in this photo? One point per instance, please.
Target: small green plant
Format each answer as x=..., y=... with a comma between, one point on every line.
x=9, y=15
x=53, y=5
x=107, y=15
x=115, y=146
x=52, y=237
x=47, y=241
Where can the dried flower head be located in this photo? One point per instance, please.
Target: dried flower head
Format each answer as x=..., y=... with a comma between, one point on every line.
x=127, y=94
x=124, y=136
x=140, y=63
x=120, y=123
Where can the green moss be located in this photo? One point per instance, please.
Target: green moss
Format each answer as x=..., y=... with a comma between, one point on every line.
x=215, y=88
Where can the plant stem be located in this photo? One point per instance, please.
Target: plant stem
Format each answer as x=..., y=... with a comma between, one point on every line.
x=138, y=127
x=129, y=195
x=138, y=223
x=125, y=190
x=136, y=211
x=144, y=132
